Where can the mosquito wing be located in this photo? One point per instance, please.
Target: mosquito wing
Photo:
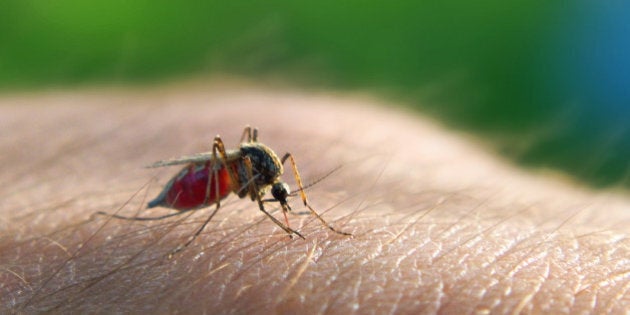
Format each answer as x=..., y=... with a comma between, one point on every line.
x=195, y=159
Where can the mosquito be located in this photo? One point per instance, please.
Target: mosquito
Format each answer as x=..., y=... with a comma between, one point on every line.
x=209, y=177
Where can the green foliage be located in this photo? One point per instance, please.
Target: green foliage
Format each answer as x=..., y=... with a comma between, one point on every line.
x=489, y=66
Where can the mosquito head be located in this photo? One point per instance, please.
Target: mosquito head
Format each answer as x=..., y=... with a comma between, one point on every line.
x=280, y=191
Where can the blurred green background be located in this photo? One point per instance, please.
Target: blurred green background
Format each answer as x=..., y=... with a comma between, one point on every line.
x=546, y=83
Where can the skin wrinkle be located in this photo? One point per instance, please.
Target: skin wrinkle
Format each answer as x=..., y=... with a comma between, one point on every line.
x=617, y=299
x=525, y=302
x=401, y=276
x=398, y=268
x=156, y=259
x=345, y=273
x=537, y=288
x=95, y=280
x=239, y=238
x=474, y=236
x=520, y=266
x=527, y=264
x=268, y=253
x=308, y=259
x=498, y=257
x=73, y=146
x=456, y=226
x=271, y=255
x=411, y=224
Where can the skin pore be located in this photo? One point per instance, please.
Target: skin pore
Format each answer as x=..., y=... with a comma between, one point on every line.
x=438, y=224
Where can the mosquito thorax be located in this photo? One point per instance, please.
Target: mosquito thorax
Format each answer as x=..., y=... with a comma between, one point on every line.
x=265, y=163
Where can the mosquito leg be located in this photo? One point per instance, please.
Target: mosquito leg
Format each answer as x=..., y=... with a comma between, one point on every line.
x=213, y=170
x=286, y=218
x=116, y=216
x=192, y=238
x=212, y=176
x=220, y=159
x=287, y=229
x=219, y=147
x=254, y=192
x=298, y=179
x=122, y=217
x=247, y=134
x=255, y=135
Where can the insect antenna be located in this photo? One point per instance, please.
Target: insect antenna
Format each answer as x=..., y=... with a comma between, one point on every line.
x=315, y=182
x=294, y=193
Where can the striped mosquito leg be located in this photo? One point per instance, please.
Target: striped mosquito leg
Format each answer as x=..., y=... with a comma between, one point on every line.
x=220, y=158
x=253, y=190
x=298, y=180
x=247, y=134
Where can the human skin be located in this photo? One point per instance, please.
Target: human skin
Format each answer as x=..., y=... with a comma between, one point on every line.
x=438, y=223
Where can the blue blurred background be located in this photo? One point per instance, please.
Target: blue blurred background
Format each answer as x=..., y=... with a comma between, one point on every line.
x=547, y=83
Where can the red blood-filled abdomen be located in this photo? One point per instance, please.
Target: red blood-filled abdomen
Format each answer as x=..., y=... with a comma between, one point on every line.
x=189, y=188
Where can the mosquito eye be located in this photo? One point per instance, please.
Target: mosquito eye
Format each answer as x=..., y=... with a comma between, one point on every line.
x=280, y=191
